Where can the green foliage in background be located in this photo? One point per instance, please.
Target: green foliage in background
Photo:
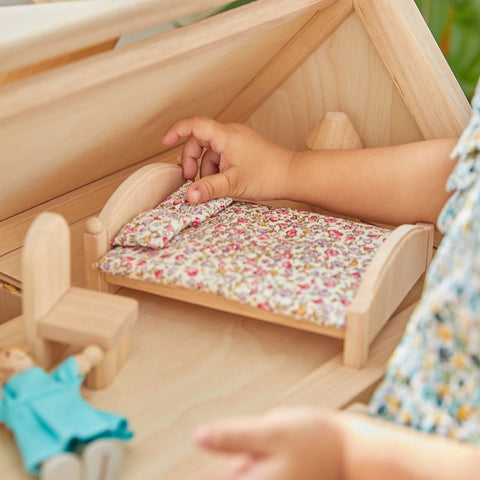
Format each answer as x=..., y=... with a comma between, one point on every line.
x=455, y=24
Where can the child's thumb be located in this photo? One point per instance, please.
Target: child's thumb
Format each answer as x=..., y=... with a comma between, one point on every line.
x=207, y=188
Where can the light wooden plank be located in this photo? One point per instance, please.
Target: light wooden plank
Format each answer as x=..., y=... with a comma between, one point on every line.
x=346, y=74
x=33, y=33
x=74, y=206
x=109, y=113
x=334, y=384
x=417, y=66
x=223, y=304
x=298, y=49
x=206, y=365
x=83, y=317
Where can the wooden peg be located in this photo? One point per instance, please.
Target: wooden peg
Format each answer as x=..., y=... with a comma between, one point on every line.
x=334, y=132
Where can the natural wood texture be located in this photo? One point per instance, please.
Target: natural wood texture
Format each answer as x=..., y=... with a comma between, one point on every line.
x=207, y=364
x=109, y=111
x=298, y=49
x=322, y=382
x=397, y=265
x=335, y=131
x=46, y=279
x=219, y=303
x=10, y=302
x=29, y=34
x=73, y=206
x=346, y=74
x=83, y=317
x=145, y=189
x=27, y=71
x=416, y=65
x=56, y=314
x=394, y=270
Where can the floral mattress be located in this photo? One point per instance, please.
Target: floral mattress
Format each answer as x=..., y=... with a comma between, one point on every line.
x=296, y=263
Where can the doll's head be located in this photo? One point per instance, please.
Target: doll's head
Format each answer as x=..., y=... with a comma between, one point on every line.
x=13, y=360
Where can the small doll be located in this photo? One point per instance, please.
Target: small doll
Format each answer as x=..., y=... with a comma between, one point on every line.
x=57, y=432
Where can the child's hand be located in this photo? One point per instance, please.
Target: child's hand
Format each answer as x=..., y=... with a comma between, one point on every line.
x=237, y=162
x=286, y=444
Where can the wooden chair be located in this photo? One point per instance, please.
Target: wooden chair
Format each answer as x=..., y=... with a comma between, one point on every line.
x=56, y=314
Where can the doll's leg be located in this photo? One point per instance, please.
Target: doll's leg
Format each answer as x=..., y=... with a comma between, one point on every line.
x=61, y=467
x=102, y=459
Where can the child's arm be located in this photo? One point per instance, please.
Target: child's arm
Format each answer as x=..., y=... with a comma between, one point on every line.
x=313, y=444
x=401, y=184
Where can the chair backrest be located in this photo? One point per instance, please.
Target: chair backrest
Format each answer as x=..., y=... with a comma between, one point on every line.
x=45, y=271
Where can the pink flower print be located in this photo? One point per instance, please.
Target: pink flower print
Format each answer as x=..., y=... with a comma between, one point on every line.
x=331, y=252
x=273, y=219
x=265, y=306
x=158, y=273
x=318, y=301
x=179, y=257
x=196, y=222
x=169, y=228
x=335, y=233
x=283, y=226
x=329, y=284
x=221, y=227
x=238, y=211
x=345, y=302
x=291, y=233
x=192, y=272
x=329, y=220
x=304, y=286
x=356, y=275
x=287, y=264
x=286, y=254
x=177, y=202
x=282, y=211
x=263, y=236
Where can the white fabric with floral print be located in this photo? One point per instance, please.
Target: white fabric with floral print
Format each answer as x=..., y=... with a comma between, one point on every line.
x=296, y=263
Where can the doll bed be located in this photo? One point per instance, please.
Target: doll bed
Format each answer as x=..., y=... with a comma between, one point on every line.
x=391, y=263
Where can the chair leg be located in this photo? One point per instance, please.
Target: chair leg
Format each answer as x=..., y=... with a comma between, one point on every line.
x=102, y=375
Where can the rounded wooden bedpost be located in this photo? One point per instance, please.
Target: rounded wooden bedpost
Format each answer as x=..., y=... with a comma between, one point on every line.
x=95, y=243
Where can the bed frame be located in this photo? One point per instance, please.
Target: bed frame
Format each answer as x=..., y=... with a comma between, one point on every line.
x=394, y=270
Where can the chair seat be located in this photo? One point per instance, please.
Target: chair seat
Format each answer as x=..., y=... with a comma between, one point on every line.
x=83, y=317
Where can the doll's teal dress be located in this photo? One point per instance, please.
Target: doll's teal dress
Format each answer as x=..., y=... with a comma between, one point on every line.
x=48, y=416
x=433, y=378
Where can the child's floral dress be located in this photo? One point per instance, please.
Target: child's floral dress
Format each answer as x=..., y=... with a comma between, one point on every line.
x=433, y=378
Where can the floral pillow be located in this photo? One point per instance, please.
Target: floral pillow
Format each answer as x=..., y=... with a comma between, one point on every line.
x=156, y=227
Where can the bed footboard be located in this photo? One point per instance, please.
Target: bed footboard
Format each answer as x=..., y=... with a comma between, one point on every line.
x=395, y=269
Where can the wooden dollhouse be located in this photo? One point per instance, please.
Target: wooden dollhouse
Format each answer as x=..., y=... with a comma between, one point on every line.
x=78, y=117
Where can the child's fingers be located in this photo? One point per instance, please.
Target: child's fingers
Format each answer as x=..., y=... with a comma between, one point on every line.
x=192, y=151
x=207, y=131
x=234, y=436
x=210, y=163
x=207, y=188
